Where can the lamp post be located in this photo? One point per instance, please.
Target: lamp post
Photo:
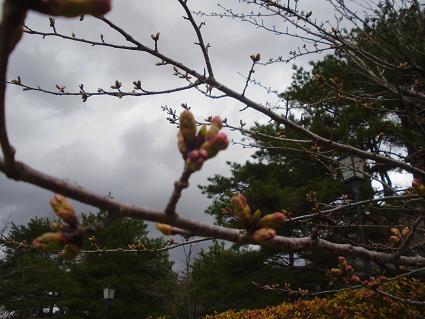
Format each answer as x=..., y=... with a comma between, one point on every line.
x=108, y=295
x=352, y=171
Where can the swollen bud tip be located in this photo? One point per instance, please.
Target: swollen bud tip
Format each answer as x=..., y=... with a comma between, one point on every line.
x=63, y=209
x=264, y=234
x=164, y=228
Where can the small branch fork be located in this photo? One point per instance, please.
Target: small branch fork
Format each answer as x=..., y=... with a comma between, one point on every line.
x=201, y=42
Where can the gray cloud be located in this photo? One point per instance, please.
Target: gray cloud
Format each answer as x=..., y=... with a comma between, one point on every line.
x=125, y=146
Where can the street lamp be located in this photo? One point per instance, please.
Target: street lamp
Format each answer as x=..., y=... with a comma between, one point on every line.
x=108, y=295
x=353, y=174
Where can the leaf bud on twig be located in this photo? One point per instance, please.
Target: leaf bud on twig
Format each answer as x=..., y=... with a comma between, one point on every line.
x=50, y=241
x=64, y=210
x=272, y=220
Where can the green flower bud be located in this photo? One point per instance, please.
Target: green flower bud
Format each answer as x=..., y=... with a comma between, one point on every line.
x=188, y=127
x=63, y=208
x=215, y=144
x=256, y=216
x=50, y=241
x=242, y=210
x=272, y=220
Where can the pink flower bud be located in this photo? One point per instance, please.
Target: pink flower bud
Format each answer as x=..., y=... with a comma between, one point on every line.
x=264, y=234
x=73, y=8
x=238, y=202
x=342, y=260
x=215, y=144
x=381, y=279
x=416, y=183
x=196, y=159
x=216, y=120
x=348, y=268
x=405, y=232
x=419, y=186
x=354, y=278
x=63, y=208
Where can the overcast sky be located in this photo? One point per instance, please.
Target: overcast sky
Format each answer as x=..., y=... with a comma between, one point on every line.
x=126, y=146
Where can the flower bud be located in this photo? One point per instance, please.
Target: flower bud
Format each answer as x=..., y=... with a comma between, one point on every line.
x=264, y=234
x=416, y=183
x=255, y=57
x=395, y=231
x=202, y=133
x=63, y=208
x=164, y=228
x=354, y=278
x=394, y=240
x=215, y=144
x=342, y=260
x=216, y=125
x=242, y=210
x=196, y=159
x=419, y=186
x=348, y=268
x=256, y=216
x=50, y=241
x=73, y=8
x=188, y=127
x=381, y=279
x=336, y=271
x=405, y=232
x=217, y=121
x=272, y=220
x=70, y=251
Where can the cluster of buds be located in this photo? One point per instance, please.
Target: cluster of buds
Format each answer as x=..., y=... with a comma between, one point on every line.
x=263, y=228
x=65, y=236
x=397, y=235
x=71, y=8
x=373, y=282
x=344, y=271
x=197, y=147
x=419, y=186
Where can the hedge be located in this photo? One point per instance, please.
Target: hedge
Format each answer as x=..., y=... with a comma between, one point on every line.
x=352, y=304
